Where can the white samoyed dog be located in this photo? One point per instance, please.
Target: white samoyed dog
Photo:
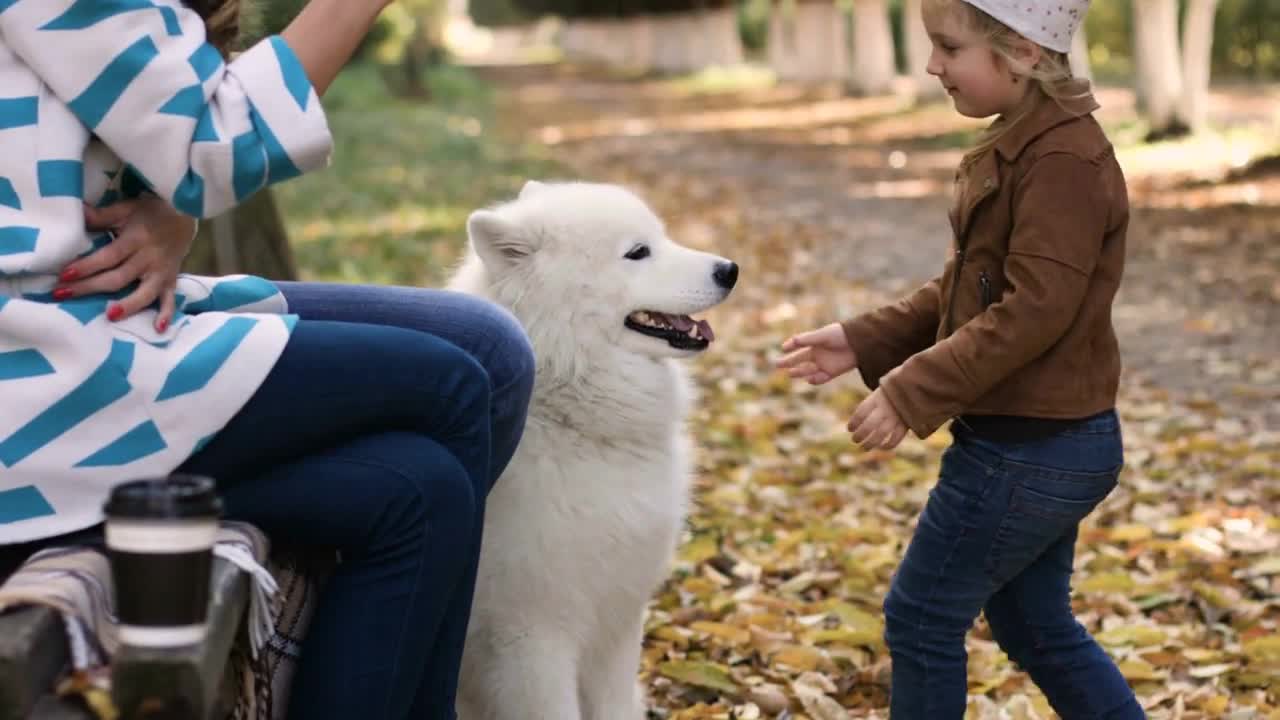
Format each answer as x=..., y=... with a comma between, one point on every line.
x=581, y=529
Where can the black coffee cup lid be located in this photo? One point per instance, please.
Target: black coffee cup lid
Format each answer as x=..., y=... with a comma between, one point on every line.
x=175, y=496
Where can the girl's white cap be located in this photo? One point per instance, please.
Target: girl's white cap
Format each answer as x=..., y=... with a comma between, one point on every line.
x=1049, y=23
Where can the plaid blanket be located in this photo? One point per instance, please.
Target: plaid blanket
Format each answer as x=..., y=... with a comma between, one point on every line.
x=75, y=580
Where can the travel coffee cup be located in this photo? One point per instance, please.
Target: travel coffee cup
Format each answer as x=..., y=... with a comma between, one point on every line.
x=160, y=535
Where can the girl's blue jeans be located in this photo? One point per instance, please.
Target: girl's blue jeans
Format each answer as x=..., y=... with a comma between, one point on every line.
x=378, y=434
x=997, y=536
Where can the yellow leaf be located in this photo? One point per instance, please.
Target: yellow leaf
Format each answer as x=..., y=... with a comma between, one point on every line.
x=798, y=657
x=1218, y=598
x=1131, y=533
x=1112, y=582
x=672, y=634
x=734, y=635
x=699, y=586
x=703, y=674
x=1216, y=705
x=1264, y=649
x=1134, y=669
x=1140, y=635
x=844, y=636
x=700, y=549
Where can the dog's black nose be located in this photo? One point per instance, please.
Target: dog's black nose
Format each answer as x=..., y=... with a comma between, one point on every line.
x=726, y=275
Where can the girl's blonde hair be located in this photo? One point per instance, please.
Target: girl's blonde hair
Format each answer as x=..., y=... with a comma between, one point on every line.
x=1051, y=77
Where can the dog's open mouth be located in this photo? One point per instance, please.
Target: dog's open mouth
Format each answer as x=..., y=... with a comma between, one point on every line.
x=680, y=331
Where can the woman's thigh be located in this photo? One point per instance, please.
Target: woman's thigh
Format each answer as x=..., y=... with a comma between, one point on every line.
x=486, y=330
x=337, y=381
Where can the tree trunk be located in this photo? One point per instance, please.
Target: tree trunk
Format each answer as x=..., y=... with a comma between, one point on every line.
x=1155, y=25
x=720, y=33
x=919, y=47
x=872, y=71
x=639, y=54
x=250, y=238
x=821, y=40
x=1079, y=57
x=782, y=45
x=1197, y=50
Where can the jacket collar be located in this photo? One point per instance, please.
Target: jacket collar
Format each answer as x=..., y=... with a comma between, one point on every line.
x=1078, y=101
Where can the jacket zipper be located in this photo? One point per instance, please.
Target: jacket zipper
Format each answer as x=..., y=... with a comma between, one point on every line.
x=985, y=283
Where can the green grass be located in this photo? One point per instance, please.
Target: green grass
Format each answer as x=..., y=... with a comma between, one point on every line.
x=392, y=207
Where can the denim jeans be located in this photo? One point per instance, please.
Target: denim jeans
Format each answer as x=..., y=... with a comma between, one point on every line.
x=379, y=434
x=997, y=536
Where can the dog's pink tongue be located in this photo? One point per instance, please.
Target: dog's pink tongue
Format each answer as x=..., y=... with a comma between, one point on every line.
x=704, y=329
x=680, y=322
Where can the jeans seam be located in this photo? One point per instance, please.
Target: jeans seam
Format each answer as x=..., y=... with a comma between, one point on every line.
x=933, y=587
x=417, y=576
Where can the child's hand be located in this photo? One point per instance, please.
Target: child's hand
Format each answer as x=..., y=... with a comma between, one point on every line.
x=819, y=355
x=876, y=424
x=152, y=240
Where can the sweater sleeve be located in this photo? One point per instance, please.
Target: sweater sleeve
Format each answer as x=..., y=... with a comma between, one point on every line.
x=884, y=338
x=200, y=132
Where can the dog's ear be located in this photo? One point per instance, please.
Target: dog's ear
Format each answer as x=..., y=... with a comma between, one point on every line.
x=497, y=240
x=531, y=187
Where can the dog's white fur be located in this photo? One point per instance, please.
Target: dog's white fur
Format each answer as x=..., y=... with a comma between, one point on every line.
x=581, y=528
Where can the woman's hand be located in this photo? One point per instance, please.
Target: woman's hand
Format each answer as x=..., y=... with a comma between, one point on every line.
x=151, y=241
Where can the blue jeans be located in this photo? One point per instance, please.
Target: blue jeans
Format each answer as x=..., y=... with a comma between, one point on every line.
x=997, y=536
x=378, y=434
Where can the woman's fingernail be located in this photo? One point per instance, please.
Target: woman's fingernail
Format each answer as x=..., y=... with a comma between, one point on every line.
x=114, y=312
x=69, y=274
x=162, y=326
x=61, y=293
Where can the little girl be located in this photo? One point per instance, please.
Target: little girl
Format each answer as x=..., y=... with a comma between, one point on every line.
x=1014, y=342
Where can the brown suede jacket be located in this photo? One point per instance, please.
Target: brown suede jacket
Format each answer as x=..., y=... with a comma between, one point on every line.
x=1019, y=322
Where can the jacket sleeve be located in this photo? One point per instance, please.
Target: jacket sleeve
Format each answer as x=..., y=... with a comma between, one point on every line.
x=884, y=338
x=1059, y=221
x=139, y=74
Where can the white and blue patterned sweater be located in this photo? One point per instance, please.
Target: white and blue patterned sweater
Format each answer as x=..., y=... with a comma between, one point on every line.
x=100, y=99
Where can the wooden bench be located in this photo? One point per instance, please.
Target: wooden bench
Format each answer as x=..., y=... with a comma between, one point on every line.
x=184, y=684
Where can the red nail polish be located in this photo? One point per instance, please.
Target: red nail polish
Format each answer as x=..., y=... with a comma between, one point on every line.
x=61, y=294
x=114, y=312
x=162, y=326
x=69, y=274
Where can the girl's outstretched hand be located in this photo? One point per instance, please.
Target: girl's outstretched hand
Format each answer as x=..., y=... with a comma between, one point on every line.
x=818, y=356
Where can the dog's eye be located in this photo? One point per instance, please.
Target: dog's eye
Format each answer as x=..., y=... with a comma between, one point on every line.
x=638, y=252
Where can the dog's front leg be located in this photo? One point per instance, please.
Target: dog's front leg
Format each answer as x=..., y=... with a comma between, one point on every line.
x=530, y=679
x=610, y=686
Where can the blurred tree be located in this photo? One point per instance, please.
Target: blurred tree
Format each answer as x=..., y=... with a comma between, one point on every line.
x=916, y=48
x=1197, y=56
x=872, y=69
x=411, y=42
x=1159, y=66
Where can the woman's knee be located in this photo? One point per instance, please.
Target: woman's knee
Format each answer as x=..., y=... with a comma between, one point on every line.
x=449, y=377
x=509, y=357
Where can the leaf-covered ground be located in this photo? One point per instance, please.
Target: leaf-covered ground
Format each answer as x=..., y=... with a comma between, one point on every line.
x=832, y=205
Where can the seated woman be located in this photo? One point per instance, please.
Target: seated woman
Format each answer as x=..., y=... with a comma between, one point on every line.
x=368, y=420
